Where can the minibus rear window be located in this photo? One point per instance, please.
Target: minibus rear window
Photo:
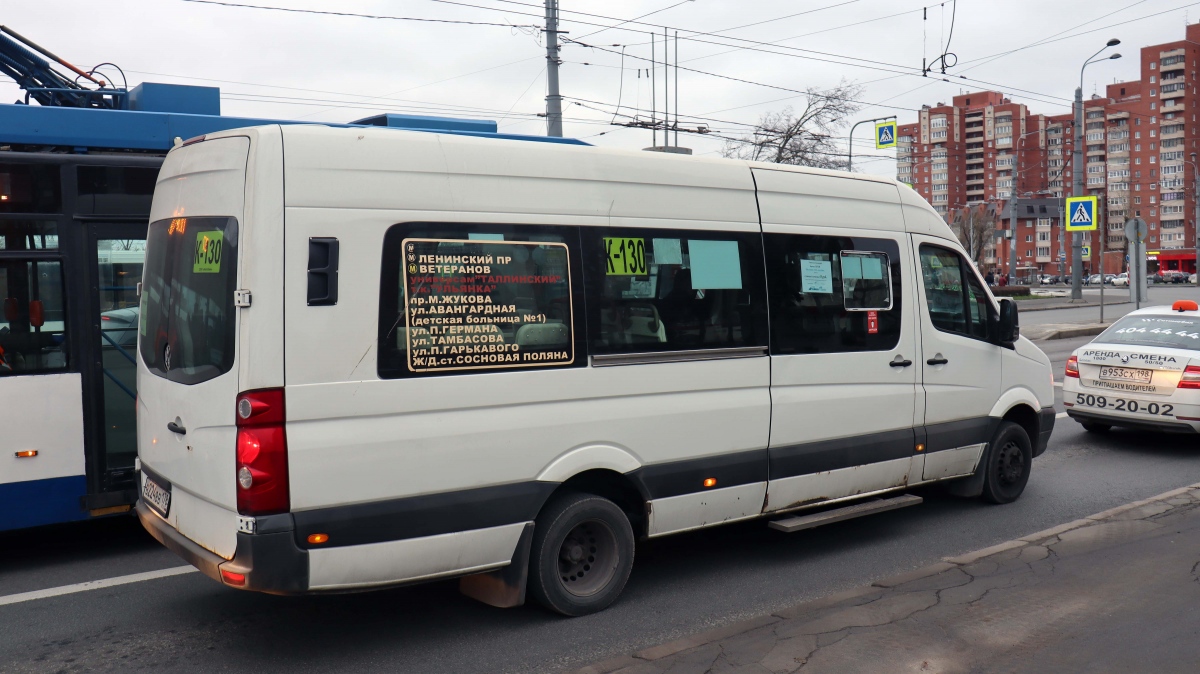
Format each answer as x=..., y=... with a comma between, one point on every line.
x=186, y=328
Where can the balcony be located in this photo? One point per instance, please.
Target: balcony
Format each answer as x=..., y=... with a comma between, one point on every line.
x=1172, y=106
x=1174, y=66
x=1118, y=115
x=1172, y=94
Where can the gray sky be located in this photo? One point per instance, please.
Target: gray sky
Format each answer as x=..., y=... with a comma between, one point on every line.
x=287, y=65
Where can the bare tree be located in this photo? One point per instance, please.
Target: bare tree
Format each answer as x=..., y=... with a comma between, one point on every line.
x=975, y=227
x=805, y=138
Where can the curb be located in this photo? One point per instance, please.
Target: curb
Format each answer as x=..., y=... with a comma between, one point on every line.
x=1081, y=331
x=1052, y=307
x=704, y=638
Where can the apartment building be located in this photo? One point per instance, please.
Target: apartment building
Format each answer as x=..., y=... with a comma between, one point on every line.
x=1139, y=138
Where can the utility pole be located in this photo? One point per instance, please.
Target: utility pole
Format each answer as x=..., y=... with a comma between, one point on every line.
x=1196, y=214
x=1077, y=172
x=553, y=98
x=1012, y=230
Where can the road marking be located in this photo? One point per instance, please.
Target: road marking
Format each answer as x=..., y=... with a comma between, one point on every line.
x=1060, y=415
x=94, y=585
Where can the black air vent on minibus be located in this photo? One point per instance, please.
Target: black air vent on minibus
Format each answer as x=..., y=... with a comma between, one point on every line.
x=322, y=271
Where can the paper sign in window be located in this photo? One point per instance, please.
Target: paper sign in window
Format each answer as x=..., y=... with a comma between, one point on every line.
x=852, y=267
x=667, y=251
x=716, y=265
x=872, y=268
x=816, y=276
x=207, y=255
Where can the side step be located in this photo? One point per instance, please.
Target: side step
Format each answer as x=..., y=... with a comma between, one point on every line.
x=871, y=507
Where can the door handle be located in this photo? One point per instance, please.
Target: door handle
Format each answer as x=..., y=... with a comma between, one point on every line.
x=938, y=359
x=176, y=428
x=900, y=361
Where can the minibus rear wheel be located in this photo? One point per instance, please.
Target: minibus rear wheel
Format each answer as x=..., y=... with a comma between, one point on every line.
x=1007, y=463
x=582, y=554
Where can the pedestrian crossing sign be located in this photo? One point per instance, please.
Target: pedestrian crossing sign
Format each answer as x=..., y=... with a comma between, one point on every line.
x=885, y=135
x=1081, y=213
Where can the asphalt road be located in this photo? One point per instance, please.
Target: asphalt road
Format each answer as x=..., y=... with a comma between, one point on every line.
x=680, y=585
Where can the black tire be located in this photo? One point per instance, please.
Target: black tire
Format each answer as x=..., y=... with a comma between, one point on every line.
x=1094, y=427
x=1007, y=463
x=582, y=554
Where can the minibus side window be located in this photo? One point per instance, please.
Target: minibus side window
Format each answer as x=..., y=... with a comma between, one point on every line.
x=467, y=298
x=957, y=301
x=673, y=290
x=833, y=294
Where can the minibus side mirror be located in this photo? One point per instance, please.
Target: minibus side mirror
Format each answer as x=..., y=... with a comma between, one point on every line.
x=1007, y=329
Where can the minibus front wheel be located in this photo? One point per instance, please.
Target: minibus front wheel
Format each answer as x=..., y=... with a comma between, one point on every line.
x=1007, y=463
x=582, y=554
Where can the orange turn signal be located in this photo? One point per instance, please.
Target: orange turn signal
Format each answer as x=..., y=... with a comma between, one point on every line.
x=26, y=454
x=710, y=482
x=317, y=539
x=921, y=448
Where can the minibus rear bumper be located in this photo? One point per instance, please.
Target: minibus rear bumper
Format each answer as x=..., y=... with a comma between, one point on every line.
x=270, y=561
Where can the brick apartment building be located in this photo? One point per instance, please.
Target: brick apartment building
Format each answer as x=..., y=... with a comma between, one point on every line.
x=983, y=151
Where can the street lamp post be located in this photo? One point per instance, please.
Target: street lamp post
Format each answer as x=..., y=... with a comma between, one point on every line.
x=850, y=143
x=1077, y=170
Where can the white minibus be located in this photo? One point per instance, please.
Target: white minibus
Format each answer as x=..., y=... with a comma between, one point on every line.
x=370, y=357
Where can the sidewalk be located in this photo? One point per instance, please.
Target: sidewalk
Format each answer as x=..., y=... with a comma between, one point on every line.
x=1114, y=592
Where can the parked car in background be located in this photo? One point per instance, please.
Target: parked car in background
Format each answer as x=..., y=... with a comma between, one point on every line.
x=1121, y=280
x=1093, y=280
x=1151, y=279
x=1192, y=279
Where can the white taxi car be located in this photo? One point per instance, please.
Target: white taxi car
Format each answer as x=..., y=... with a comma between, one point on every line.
x=1142, y=372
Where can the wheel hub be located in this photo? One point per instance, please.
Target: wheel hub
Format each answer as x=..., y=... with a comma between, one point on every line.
x=1011, y=464
x=587, y=558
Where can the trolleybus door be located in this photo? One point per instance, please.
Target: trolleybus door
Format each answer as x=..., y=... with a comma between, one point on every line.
x=117, y=252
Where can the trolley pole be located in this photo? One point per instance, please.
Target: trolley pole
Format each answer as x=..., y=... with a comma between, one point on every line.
x=553, y=99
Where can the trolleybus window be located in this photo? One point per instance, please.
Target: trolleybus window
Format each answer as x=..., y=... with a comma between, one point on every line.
x=33, y=327
x=30, y=188
x=461, y=299
x=664, y=290
x=186, y=324
x=28, y=235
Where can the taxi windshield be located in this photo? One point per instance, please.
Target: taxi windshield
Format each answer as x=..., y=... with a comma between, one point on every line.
x=1173, y=331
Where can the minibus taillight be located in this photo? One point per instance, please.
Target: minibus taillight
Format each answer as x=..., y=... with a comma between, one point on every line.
x=262, y=467
x=1073, y=367
x=1190, y=378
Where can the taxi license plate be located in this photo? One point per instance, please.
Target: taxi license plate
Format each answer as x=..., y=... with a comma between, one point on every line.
x=1126, y=374
x=156, y=496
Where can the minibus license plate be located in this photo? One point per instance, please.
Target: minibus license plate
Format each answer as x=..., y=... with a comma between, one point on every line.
x=1126, y=374
x=156, y=496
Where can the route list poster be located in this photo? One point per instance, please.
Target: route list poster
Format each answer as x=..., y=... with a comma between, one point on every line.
x=482, y=304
